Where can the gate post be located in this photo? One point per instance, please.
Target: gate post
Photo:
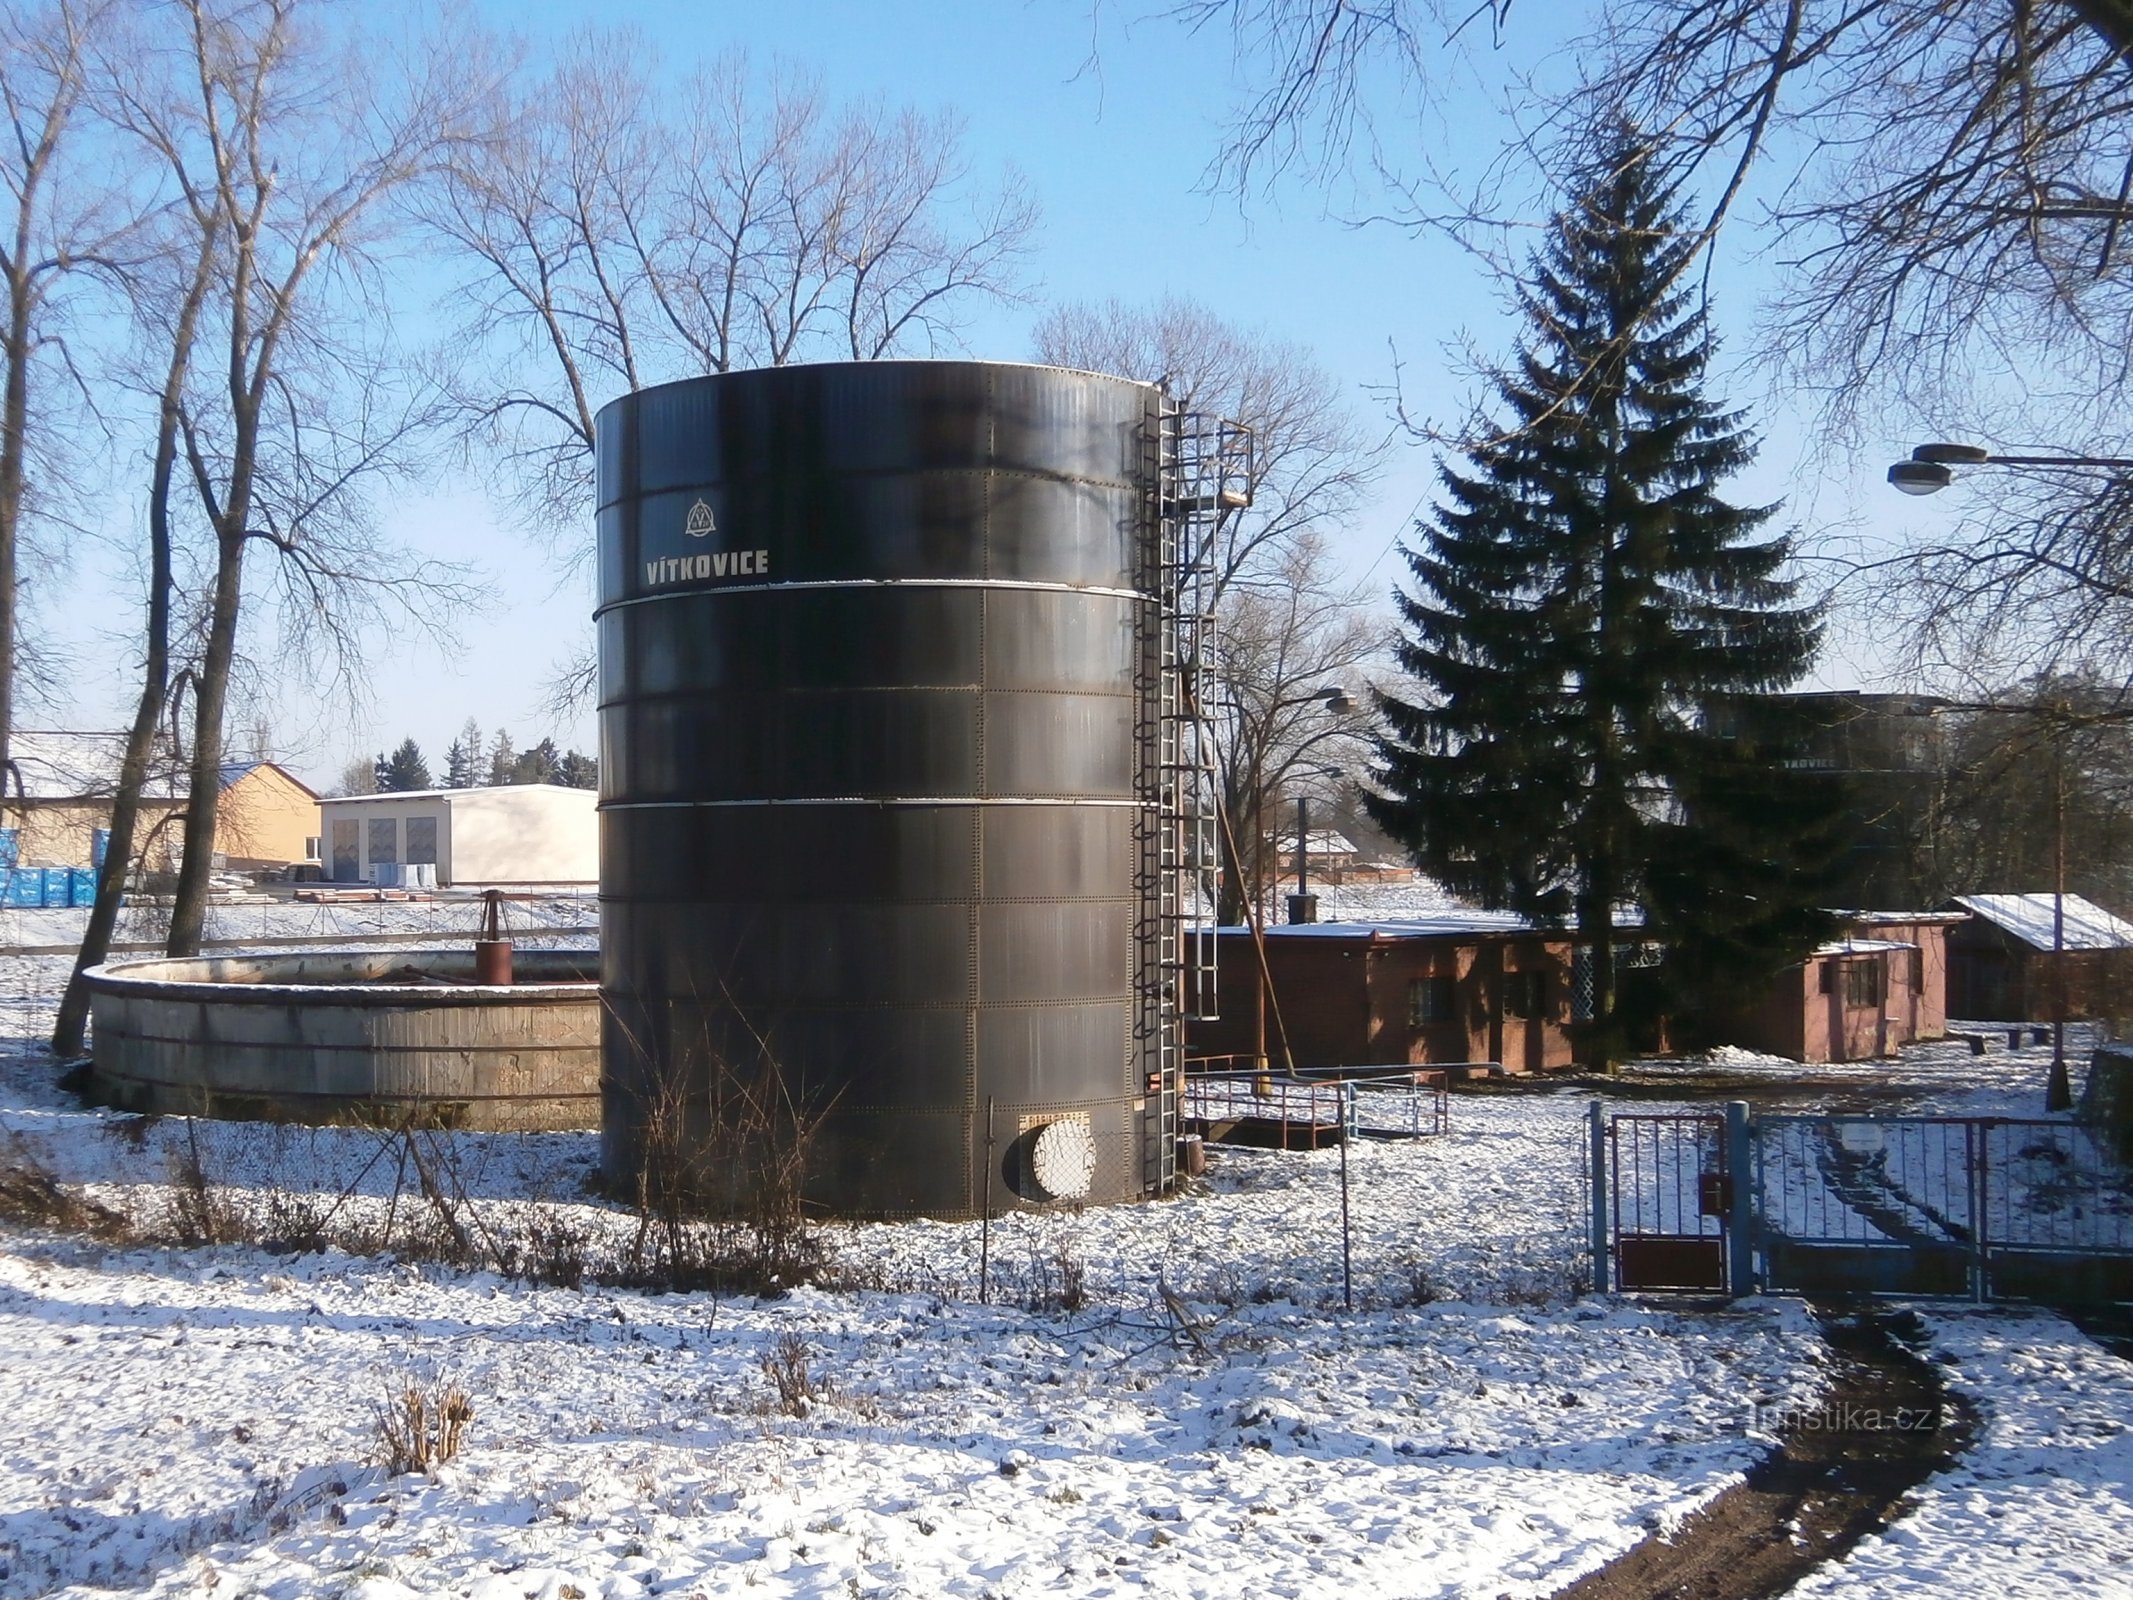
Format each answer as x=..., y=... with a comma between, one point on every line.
x=1596, y=1127
x=1740, y=1203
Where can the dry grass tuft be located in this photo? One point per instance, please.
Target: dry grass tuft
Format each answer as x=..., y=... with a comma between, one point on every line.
x=785, y=1365
x=419, y=1429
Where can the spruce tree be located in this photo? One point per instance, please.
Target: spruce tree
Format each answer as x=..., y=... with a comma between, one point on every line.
x=537, y=765
x=404, y=770
x=503, y=758
x=465, y=764
x=1584, y=599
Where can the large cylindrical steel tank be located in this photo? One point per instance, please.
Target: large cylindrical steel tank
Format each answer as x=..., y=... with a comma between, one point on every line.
x=876, y=673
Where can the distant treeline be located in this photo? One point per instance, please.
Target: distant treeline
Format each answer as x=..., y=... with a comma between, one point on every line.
x=473, y=762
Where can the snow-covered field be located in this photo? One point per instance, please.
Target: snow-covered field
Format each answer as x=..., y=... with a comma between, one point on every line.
x=1209, y=1419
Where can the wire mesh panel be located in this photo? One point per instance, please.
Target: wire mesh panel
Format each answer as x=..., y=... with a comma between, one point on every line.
x=1868, y=1204
x=2057, y=1212
x=1669, y=1182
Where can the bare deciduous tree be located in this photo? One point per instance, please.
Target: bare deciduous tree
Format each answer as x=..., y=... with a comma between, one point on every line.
x=285, y=140
x=169, y=293
x=63, y=212
x=2037, y=579
x=616, y=235
x=1276, y=736
x=1952, y=180
x=1288, y=628
x=1945, y=193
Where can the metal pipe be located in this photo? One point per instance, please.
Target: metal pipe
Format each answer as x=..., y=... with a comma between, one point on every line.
x=1303, y=844
x=2058, y=1091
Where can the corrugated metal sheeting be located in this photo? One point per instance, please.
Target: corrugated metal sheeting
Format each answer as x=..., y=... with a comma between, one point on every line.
x=870, y=676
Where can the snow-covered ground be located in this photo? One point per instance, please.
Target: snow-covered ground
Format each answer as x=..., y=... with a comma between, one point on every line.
x=1209, y=1419
x=2037, y=1508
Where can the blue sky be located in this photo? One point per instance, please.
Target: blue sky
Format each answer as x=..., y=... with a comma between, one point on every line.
x=1112, y=120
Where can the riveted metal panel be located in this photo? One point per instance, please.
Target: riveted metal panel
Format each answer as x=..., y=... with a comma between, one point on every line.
x=868, y=648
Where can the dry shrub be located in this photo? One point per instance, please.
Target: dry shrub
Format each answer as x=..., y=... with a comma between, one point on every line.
x=785, y=1365
x=553, y=1251
x=30, y=1192
x=419, y=1429
x=720, y=1182
x=197, y=1210
x=1058, y=1281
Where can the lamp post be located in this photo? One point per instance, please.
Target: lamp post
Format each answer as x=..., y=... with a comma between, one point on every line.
x=1930, y=469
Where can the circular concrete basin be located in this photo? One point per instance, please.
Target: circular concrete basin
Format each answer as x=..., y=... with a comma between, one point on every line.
x=383, y=1037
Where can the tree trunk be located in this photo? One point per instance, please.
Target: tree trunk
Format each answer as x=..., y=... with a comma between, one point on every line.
x=1601, y=1046
x=14, y=447
x=188, y=917
x=69, y=1029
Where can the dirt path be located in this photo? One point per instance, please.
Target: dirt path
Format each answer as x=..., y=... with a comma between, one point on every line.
x=1840, y=1473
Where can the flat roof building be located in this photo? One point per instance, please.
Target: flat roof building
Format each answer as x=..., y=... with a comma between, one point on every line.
x=530, y=833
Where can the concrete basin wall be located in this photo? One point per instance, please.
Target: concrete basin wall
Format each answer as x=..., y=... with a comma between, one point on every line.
x=383, y=1037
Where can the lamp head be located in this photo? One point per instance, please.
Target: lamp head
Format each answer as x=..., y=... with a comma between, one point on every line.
x=1920, y=477
x=1953, y=455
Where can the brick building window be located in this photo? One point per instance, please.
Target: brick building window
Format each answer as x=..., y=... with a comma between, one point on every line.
x=1525, y=995
x=1430, y=1000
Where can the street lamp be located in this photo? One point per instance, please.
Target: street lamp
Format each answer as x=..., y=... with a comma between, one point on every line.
x=1930, y=467
x=1929, y=470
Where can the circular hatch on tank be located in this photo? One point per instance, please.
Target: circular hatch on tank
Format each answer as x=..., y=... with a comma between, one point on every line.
x=1063, y=1159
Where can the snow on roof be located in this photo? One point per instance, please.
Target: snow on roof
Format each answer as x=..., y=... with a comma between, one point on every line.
x=1860, y=947
x=446, y=794
x=1324, y=842
x=1454, y=922
x=1886, y=919
x=2029, y=918
x=75, y=764
x=235, y=772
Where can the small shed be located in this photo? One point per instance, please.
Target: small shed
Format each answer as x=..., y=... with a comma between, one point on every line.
x=2001, y=961
x=523, y=833
x=1465, y=986
x=1882, y=984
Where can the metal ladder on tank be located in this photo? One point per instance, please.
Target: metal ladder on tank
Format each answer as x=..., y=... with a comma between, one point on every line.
x=1202, y=472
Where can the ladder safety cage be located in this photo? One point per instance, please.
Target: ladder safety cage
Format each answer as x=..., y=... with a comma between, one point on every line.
x=1206, y=478
x=1200, y=471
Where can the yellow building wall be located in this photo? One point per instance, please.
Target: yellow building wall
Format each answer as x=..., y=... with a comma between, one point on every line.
x=265, y=818
x=56, y=833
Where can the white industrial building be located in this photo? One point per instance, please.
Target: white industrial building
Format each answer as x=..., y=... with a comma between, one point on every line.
x=520, y=833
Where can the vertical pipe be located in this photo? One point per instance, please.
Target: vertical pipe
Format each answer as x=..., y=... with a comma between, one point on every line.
x=1347, y=1115
x=985, y=1228
x=1981, y=1235
x=1303, y=844
x=1596, y=1129
x=1740, y=1220
x=2058, y=1092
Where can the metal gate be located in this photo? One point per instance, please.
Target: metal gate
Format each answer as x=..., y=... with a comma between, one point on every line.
x=1671, y=1187
x=1981, y=1208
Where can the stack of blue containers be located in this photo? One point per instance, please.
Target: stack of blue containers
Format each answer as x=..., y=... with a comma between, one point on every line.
x=25, y=888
